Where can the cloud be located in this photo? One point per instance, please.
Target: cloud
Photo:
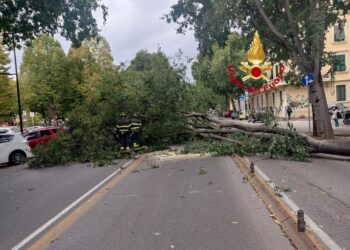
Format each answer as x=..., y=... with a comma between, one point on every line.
x=133, y=25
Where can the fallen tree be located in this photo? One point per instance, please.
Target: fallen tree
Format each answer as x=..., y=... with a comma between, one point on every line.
x=214, y=128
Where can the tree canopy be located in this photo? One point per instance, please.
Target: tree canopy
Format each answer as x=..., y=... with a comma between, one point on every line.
x=44, y=77
x=90, y=64
x=7, y=90
x=74, y=20
x=211, y=70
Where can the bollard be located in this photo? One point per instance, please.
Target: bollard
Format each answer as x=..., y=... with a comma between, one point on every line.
x=252, y=168
x=301, y=221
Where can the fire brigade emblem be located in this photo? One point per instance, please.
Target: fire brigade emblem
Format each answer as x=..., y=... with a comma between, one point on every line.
x=256, y=68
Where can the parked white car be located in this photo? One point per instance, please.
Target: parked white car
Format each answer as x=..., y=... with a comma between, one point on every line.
x=14, y=147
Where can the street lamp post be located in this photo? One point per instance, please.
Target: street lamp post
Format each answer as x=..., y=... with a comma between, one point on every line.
x=17, y=83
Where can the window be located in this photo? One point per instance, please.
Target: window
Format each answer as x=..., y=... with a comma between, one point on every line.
x=339, y=32
x=45, y=132
x=273, y=99
x=277, y=69
x=281, y=99
x=267, y=98
x=6, y=138
x=341, y=64
x=341, y=93
x=262, y=101
x=271, y=74
x=33, y=135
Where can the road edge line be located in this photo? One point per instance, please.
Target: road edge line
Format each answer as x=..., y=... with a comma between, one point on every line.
x=279, y=211
x=67, y=209
x=322, y=235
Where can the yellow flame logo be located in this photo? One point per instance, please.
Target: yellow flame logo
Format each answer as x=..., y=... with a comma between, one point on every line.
x=256, y=54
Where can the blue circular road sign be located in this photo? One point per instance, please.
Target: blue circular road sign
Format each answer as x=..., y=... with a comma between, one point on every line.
x=307, y=80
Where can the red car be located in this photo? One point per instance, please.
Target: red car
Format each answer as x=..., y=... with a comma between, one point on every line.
x=228, y=114
x=40, y=135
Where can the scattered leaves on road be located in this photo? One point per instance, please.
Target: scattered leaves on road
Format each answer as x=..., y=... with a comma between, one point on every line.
x=151, y=167
x=172, y=246
x=156, y=234
x=210, y=183
x=278, y=190
x=277, y=222
x=234, y=222
x=202, y=171
x=136, y=171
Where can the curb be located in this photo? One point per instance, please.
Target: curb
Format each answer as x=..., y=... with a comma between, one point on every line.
x=281, y=213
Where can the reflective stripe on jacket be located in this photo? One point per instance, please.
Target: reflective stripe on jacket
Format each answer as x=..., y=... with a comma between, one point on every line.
x=135, y=125
x=123, y=126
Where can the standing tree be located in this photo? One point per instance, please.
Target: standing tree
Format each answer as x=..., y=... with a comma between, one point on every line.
x=163, y=96
x=44, y=76
x=90, y=65
x=7, y=90
x=211, y=70
x=294, y=30
x=27, y=18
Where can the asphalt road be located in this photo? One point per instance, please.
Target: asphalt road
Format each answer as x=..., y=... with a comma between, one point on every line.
x=321, y=188
x=29, y=198
x=177, y=203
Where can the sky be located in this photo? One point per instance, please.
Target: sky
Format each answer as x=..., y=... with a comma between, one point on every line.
x=133, y=25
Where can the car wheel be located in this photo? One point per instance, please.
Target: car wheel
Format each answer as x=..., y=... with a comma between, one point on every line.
x=16, y=157
x=346, y=121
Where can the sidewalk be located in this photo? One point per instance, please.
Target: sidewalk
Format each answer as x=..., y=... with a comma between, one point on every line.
x=302, y=126
x=320, y=187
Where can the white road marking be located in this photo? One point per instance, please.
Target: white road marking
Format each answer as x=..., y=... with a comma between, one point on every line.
x=67, y=209
x=203, y=192
x=294, y=207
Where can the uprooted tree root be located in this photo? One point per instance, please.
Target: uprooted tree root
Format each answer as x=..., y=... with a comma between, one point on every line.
x=214, y=128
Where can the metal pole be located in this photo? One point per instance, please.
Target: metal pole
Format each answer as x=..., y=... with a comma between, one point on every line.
x=17, y=83
x=309, y=118
x=301, y=221
x=309, y=113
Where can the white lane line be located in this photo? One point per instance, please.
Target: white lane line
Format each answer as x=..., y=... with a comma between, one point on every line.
x=67, y=209
x=327, y=241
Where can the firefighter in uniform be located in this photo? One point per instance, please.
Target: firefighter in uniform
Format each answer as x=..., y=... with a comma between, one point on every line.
x=135, y=127
x=123, y=132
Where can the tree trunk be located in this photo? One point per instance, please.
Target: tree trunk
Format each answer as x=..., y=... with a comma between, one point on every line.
x=224, y=127
x=322, y=126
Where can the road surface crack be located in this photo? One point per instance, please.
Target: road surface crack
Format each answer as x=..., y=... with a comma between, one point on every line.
x=328, y=194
